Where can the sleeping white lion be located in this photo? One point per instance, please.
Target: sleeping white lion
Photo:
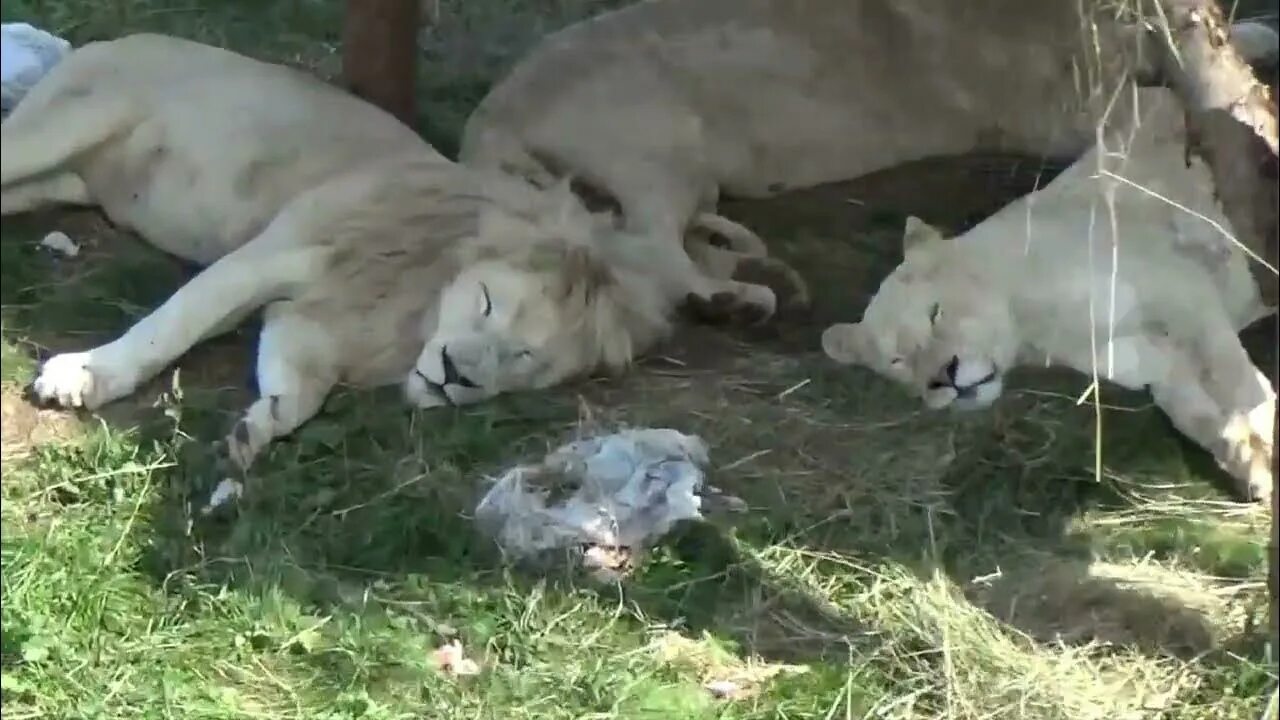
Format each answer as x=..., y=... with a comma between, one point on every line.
x=377, y=260
x=1038, y=283
x=664, y=106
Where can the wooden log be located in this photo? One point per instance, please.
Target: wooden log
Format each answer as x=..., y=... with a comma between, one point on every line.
x=380, y=54
x=1231, y=119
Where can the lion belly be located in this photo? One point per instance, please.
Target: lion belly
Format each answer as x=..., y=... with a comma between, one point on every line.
x=180, y=204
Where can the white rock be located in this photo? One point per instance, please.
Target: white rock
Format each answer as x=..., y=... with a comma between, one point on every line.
x=226, y=490
x=629, y=489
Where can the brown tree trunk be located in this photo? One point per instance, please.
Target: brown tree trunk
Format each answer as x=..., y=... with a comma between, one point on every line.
x=380, y=53
x=1231, y=118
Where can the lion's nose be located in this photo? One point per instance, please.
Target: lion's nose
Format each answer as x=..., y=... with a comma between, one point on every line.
x=947, y=377
x=451, y=374
x=953, y=366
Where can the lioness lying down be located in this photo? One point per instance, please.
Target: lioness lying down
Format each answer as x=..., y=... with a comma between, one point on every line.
x=666, y=104
x=377, y=260
x=1036, y=284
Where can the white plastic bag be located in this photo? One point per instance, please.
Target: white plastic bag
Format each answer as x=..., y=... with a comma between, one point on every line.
x=628, y=490
x=27, y=53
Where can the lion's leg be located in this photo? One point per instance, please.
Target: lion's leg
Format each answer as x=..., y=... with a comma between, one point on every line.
x=1239, y=436
x=296, y=369
x=1243, y=392
x=660, y=210
x=59, y=189
x=1247, y=432
x=214, y=300
x=719, y=230
x=43, y=134
x=790, y=289
x=726, y=250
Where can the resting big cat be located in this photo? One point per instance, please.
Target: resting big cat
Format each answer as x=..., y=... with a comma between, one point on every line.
x=667, y=104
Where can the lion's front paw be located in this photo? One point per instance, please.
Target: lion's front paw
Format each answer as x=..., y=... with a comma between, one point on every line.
x=789, y=288
x=752, y=305
x=69, y=381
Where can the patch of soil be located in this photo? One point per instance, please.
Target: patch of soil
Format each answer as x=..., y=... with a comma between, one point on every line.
x=24, y=426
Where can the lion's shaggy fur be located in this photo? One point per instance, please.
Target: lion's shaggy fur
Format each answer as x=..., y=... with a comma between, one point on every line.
x=376, y=259
x=1037, y=283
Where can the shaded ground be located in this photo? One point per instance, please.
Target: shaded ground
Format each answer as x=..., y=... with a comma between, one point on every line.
x=916, y=564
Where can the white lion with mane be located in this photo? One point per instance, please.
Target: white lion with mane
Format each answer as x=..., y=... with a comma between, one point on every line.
x=376, y=259
x=1036, y=283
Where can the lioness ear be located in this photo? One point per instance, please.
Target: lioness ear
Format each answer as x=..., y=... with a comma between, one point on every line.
x=842, y=342
x=917, y=233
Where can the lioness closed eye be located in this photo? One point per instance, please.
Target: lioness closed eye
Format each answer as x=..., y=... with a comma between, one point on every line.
x=957, y=314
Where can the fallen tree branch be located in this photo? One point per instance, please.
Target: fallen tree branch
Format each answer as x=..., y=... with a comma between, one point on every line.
x=1231, y=123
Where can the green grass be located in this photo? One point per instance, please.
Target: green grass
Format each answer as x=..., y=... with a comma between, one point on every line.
x=894, y=564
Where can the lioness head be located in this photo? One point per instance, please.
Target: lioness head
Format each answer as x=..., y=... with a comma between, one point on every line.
x=533, y=304
x=932, y=326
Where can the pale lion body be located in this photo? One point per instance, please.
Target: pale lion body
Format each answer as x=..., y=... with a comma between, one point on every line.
x=1036, y=284
x=377, y=260
x=666, y=104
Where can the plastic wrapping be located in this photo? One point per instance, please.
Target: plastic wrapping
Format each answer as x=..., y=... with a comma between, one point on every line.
x=27, y=53
x=620, y=493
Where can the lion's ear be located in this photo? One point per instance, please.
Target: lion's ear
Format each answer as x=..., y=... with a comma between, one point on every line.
x=842, y=342
x=918, y=233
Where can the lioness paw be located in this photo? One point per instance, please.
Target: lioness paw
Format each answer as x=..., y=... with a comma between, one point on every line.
x=68, y=381
x=1254, y=476
x=1249, y=458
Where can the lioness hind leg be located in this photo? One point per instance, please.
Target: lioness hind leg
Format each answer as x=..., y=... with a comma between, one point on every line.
x=296, y=369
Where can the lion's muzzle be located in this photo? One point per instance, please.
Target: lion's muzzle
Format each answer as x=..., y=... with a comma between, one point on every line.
x=964, y=384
